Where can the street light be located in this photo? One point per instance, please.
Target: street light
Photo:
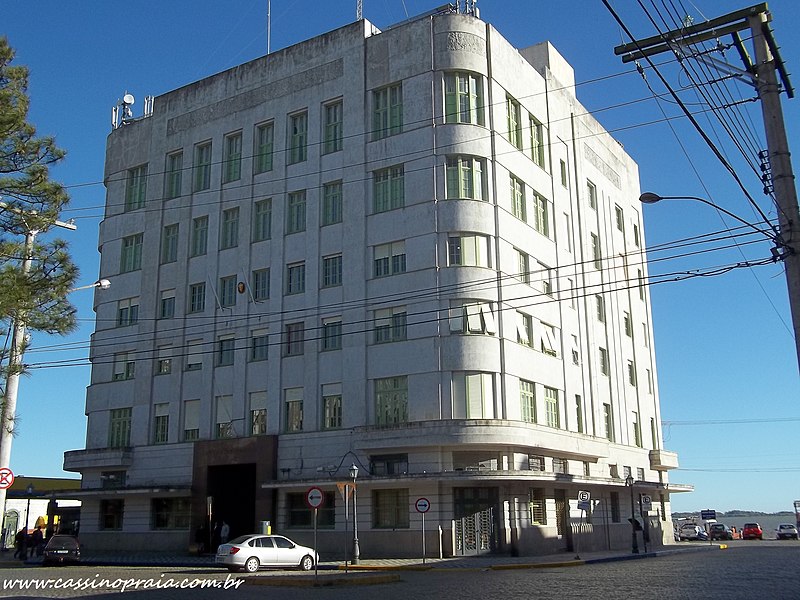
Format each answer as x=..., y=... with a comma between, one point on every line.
x=29, y=493
x=356, y=550
x=103, y=284
x=634, y=543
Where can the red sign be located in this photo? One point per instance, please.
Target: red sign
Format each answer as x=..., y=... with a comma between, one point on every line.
x=6, y=478
x=314, y=497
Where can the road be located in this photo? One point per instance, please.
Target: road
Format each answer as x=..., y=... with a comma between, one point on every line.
x=745, y=570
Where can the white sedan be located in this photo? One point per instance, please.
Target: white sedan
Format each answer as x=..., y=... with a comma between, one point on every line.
x=253, y=551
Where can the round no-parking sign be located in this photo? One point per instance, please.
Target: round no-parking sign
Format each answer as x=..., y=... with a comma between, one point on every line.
x=6, y=478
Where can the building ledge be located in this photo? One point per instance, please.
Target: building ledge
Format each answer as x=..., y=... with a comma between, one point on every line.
x=98, y=458
x=663, y=460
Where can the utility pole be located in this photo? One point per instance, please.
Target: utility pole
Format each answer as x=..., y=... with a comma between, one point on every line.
x=763, y=76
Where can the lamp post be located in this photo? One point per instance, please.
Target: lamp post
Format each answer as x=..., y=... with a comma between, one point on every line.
x=29, y=493
x=356, y=550
x=634, y=542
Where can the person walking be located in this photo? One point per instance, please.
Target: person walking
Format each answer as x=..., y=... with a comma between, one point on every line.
x=19, y=544
x=224, y=532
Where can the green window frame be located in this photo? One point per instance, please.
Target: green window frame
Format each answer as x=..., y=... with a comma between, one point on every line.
x=391, y=400
x=387, y=113
x=174, y=175
x=232, y=161
x=388, y=189
x=119, y=430
x=463, y=98
x=264, y=147
x=333, y=128
x=527, y=399
x=131, y=255
x=298, y=137
x=262, y=220
x=136, y=188
x=465, y=178
x=202, y=166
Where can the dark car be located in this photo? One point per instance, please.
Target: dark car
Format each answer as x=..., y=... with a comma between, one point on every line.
x=752, y=531
x=62, y=549
x=720, y=531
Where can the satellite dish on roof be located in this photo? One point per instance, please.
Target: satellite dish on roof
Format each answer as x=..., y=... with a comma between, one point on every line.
x=128, y=99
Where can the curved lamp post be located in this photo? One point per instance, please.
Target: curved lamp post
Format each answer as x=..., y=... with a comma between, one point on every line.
x=356, y=550
x=629, y=481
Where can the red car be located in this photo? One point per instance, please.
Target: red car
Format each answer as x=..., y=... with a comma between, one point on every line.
x=752, y=531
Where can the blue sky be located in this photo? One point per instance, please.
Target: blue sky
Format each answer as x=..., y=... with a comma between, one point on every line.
x=725, y=351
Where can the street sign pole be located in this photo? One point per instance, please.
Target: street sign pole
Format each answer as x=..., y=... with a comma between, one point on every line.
x=422, y=505
x=315, y=545
x=423, y=538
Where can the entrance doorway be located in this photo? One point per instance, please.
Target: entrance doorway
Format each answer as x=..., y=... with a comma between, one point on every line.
x=475, y=511
x=233, y=489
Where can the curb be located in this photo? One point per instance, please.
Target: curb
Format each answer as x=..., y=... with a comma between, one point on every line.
x=327, y=581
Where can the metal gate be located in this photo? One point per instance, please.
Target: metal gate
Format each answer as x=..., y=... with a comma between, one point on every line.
x=474, y=533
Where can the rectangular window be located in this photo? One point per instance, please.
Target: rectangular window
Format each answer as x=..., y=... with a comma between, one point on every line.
x=547, y=279
x=127, y=312
x=632, y=373
x=465, y=178
x=597, y=254
x=390, y=509
x=636, y=429
x=229, y=232
x=649, y=381
x=615, y=512
x=463, y=98
x=170, y=513
x=332, y=270
x=298, y=137
x=518, y=199
x=468, y=250
x=579, y=413
x=560, y=466
x=524, y=329
x=514, y=121
x=387, y=111
x=295, y=278
x=627, y=324
x=538, y=511
x=388, y=189
x=227, y=291
x=333, y=128
x=541, y=215
x=591, y=193
x=645, y=334
x=260, y=284
x=550, y=341
x=523, y=266
x=601, y=308
x=136, y=188
x=535, y=462
x=232, y=161
x=388, y=464
x=332, y=203
x=199, y=242
x=164, y=362
x=262, y=220
x=197, y=297
x=262, y=155
x=389, y=259
x=619, y=217
x=604, y=366
x=608, y=421
x=161, y=423
x=194, y=355
x=119, y=428
x=169, y=244
x=391, y=400
x=258, y=413
x=259, y=345
x=473, y=395
x=294, y=339
x=124, y=366
x=332, y=333
x=131, y=255
x=225, y=349
x=640, y=279
x=202, y=167
x=293, y=410
x=174, y=175
x=390, y=324
x=191, y=420
x=472, y=317
x=564, y=176
x=224, y=420
x=636, y=240
x=111, y=512
x=331, y=410
x=527, y=400
x=296, y=212
x=551, y=409
x=300, y=517
x=537, y=142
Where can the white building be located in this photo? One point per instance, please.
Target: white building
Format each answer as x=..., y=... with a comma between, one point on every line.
x=410, y=250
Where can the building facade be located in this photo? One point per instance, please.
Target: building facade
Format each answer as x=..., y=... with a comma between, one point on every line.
x=412, y=251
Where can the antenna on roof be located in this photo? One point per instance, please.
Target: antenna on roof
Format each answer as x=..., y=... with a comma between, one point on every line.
x=269, y=25
x=359, y=10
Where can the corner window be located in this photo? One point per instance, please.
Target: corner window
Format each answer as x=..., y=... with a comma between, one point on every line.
x=465, y=178
x=463, y=98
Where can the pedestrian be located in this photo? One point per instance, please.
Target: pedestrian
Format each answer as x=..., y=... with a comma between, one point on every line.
x=224, y=532
x=19, y=544
x=215, y=535
x=36, y=541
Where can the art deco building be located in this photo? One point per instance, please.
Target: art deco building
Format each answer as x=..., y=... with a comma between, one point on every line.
x=412, y=251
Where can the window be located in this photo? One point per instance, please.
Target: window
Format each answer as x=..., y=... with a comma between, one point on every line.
x=640, y=279
x=331, y=410
x=194, y=355
x=170, y=513
x=298, y=137
x=389, y=259
x=391, y=400
x=639, y=474
x=551, y=410
x=468, y=250
x=262, y=156
x=127, y=312
x=387, y=115
x=388, y=189
x=473, y=396
x=113, y=480
x=615, y=512
x=119, y=428
x=229, y=232
x=332, y=333
x=260, y=284
x=608, y=421
x=463, y=98
x=579, y=413
x=174, y=175
x=161, y=423
x=332, y=203
x=524, y=329
x=224, y=420
x=653, y=433
x=295, y=278
x=636, y=429
x=164, y=362
x=527, y=401
x=645, y=334
x=227, y=291
x=258, y=413
x=390, y=509
x=124, y=366
x=332, y=270
x=537, y=142
x=601, y=308
x=191, y=420
x=294, y=339
x=535, y=462
x=560, y=466
x=232, y=161
x=225, y=348
x=523, y=266
x=131, y=256
x=604, y=366
x=388, y=464
x=518, y=199
x=619, y=217
x=259, y=345
x=591, y=193
x=564, y=176
x=550, y=340
x=111, y=512
x=541, y=218
x=627, y=324
x=597, y=255
x=296, y=212
x=547, y=279
x=514, y=120
x=390, y=324
x=169, y=244
x=300, y=517
x=262, y=220
x=538, y=512
x=636, y=240
x=649, y=381
x=293, y=400
x=632, y=373
x=465, y=178
x=472, y=317
x=199, y=236
x=568, y=231
x=202, y=167
x=197, y=297
x=333, y=131
x=136, y=188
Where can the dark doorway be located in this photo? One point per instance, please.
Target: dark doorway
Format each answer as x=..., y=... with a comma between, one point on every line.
x=476, y=512
x=233, y=488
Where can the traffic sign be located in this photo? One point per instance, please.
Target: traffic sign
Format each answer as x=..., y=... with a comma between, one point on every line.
x=647, y=502
x=584, y=496
x=422, y=505
x=6, y=478
x=346, y=488
x=314, y=497
x=708, y=515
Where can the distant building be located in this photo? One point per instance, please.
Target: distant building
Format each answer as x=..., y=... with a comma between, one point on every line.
x=410, y=250
x=47, y=501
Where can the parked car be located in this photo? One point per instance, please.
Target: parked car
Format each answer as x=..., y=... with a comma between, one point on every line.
x=62, y=549
x=720, y=531
x=253, y=551
x=692, y=532
x=786, y=531
x=752, y=531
